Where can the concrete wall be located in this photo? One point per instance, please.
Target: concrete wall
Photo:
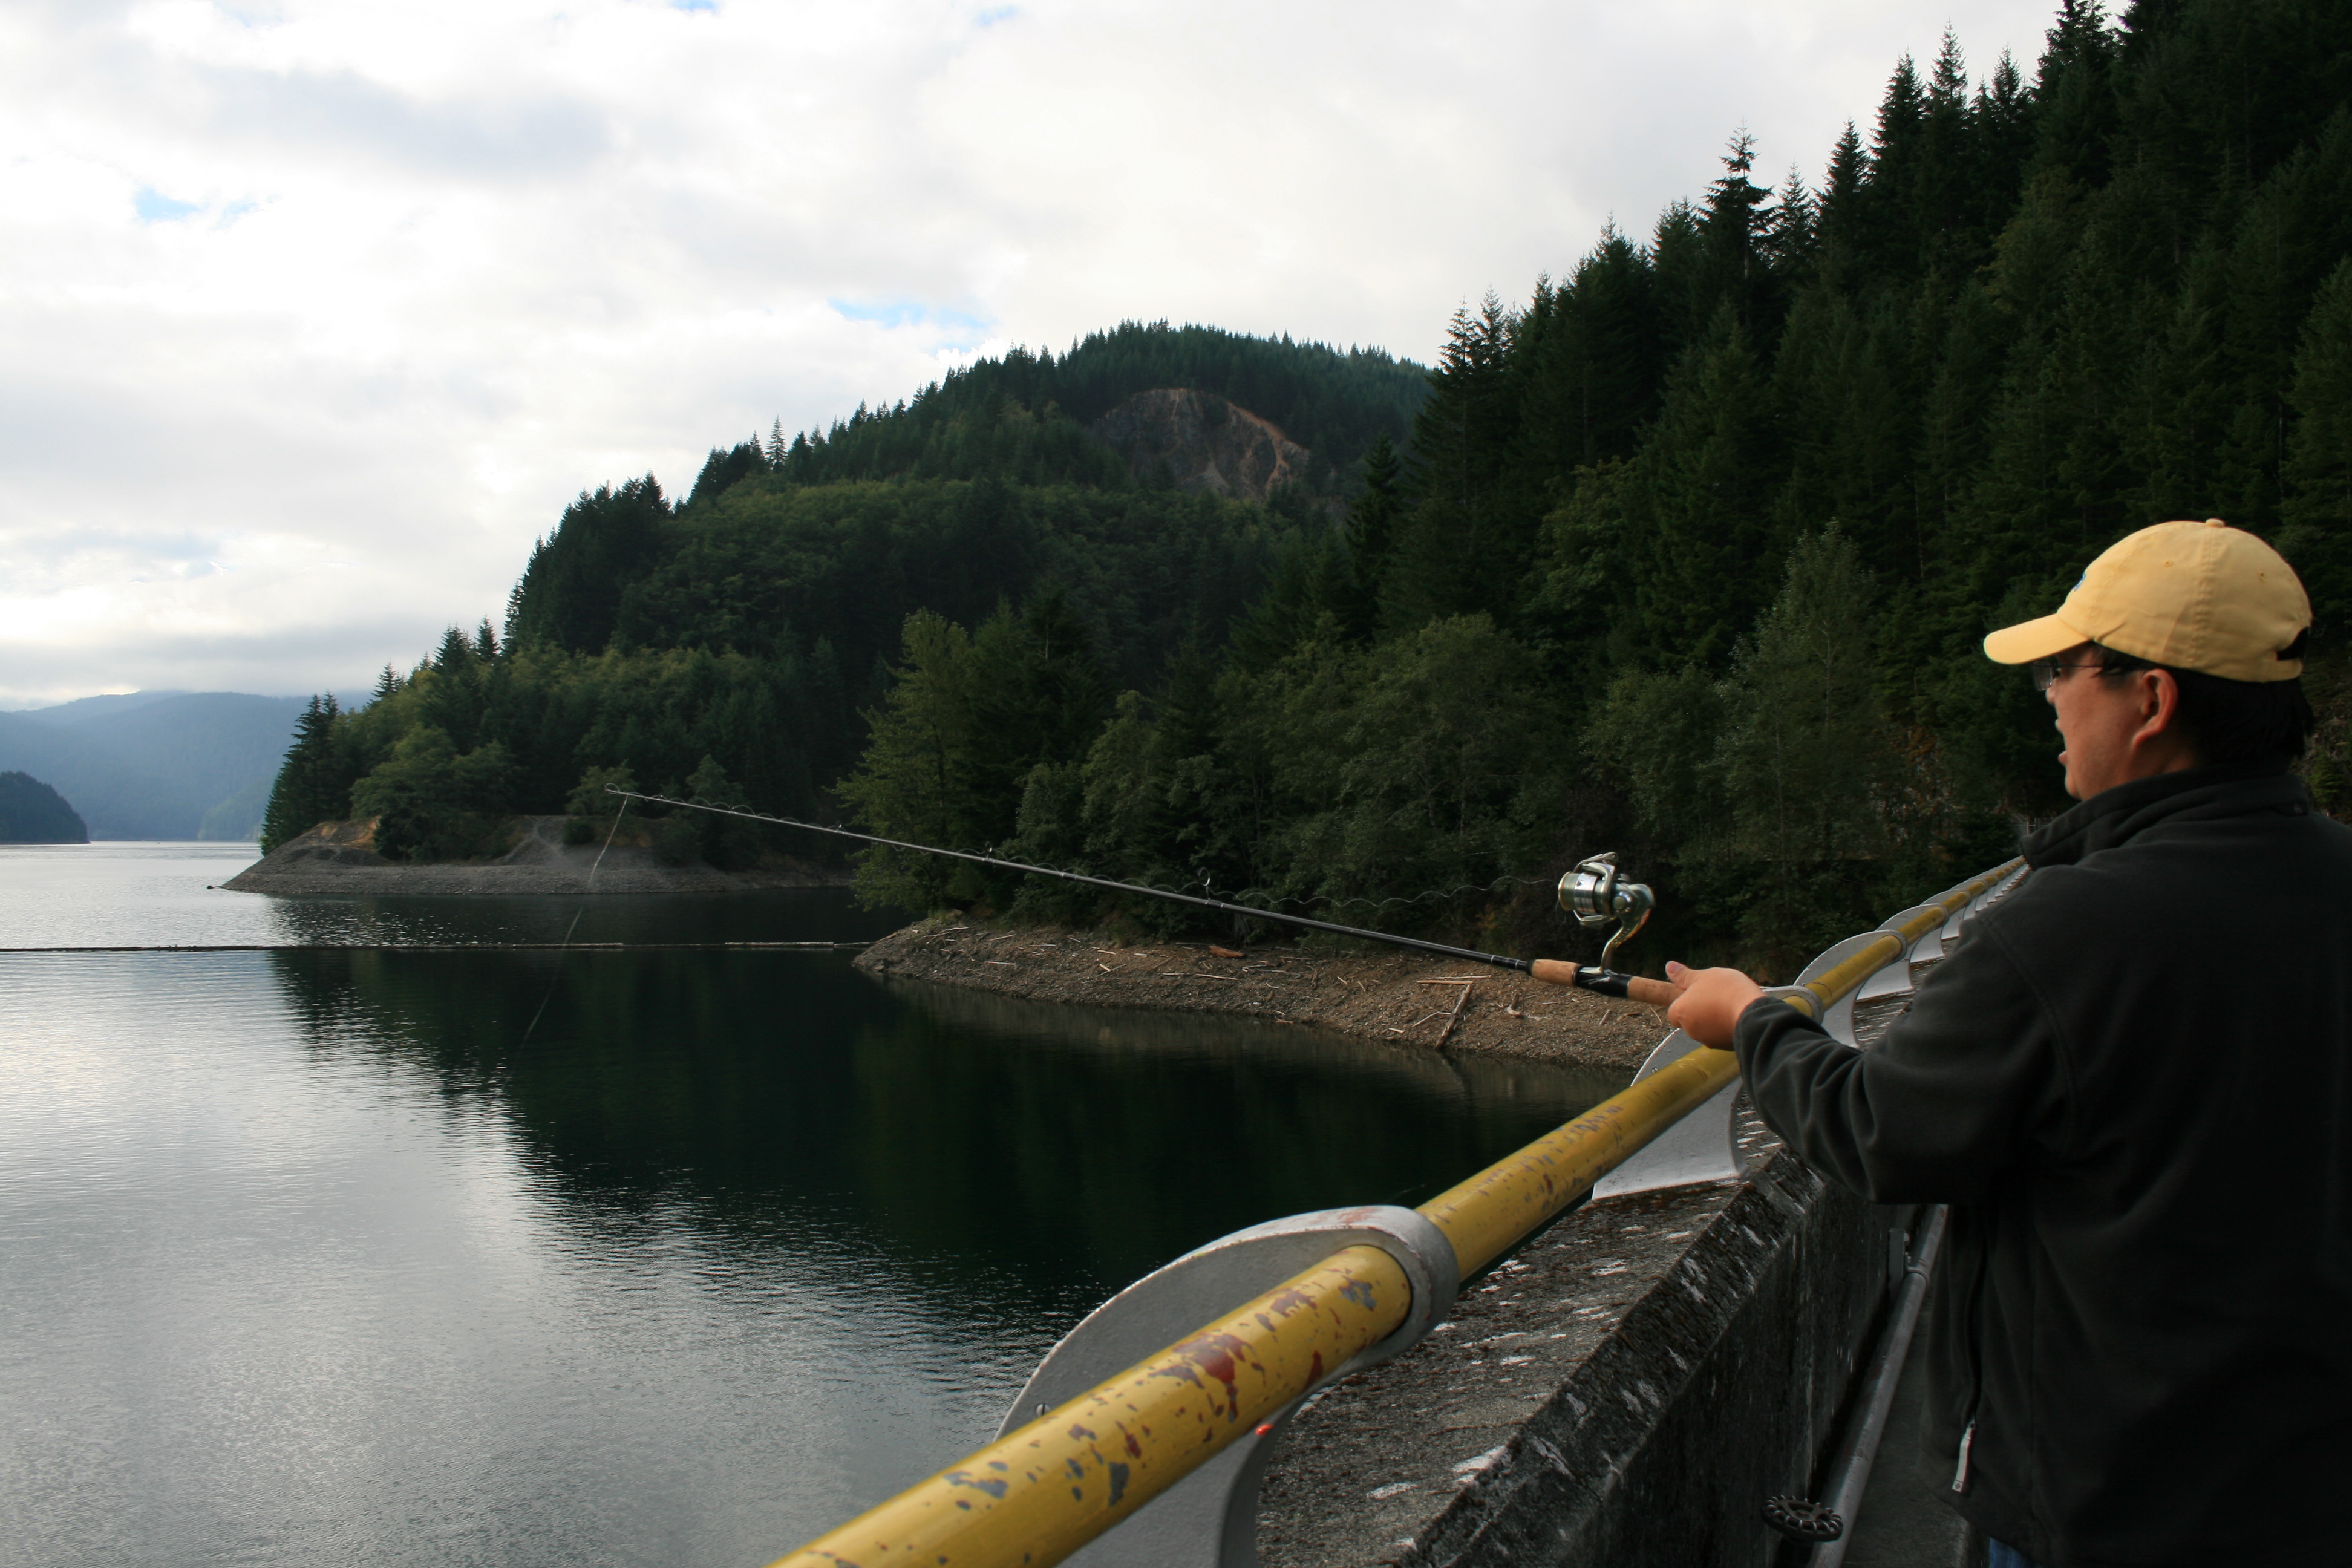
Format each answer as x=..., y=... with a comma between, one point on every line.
x=1741, y=1357
x=1717, y=1381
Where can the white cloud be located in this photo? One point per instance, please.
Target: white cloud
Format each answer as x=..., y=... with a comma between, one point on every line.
x=312, y=317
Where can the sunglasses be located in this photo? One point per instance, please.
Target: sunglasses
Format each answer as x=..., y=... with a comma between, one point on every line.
x=2046, y=671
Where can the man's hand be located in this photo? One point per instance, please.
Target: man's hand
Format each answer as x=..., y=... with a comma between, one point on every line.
x=1711, y=1002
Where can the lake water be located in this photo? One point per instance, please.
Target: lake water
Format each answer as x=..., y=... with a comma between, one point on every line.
x=531, y=1258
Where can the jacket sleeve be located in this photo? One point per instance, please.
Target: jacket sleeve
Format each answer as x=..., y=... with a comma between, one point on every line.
x=1963, y=1087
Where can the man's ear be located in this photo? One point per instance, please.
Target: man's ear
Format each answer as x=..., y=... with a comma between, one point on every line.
x=2160, y=705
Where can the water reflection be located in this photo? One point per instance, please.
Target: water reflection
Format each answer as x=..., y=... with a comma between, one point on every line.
x=1027, y=1155
x=1110, y=1140
x=787, y=914
x=653, y=1256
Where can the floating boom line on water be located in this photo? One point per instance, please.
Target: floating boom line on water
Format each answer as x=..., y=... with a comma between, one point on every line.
x=1617, y=901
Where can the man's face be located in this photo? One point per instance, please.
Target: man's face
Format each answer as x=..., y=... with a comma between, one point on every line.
x=2106, y=721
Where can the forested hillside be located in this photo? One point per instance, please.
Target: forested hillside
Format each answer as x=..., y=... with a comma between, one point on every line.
x=738, y=638
x=1688, y=555
x=33, y=813
x=1692, y=552
x=1023, y=418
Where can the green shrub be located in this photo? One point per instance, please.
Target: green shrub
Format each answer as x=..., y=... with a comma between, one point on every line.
x=431, y=803
x=678, y=841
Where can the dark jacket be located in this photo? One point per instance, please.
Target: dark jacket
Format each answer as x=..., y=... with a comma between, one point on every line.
x=2132, y=1080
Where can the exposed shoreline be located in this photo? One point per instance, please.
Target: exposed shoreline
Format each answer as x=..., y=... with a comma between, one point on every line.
x=338, y=859
x=1395, y=998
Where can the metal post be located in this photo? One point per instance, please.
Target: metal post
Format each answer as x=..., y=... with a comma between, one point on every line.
x=1852, y=1478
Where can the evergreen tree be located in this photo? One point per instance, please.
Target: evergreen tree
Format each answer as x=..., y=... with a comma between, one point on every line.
x=1840, y=230
x=2074, y=96
x=1943, y=212
x=1462, y=439
x=2318, y=538
x=1591, y=351
x=1312, y=584
x=2000, y=138
x=1680, y=276
x=1453, y=550
x=1892, y=193
x=1733, y=230
x=1699, y=500
x=1843, y=385
x=728, y=466
x=728, y=842
x=569, y=596
x=451, y=694
x=1806, y=758
x=314, y=785
x=968, y=719
x=1787, y=241
x=1372, y=518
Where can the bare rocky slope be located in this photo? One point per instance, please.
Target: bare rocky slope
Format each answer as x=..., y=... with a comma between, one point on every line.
x=1209, y=445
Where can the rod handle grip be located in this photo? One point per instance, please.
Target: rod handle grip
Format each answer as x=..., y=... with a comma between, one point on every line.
x=1656, y=993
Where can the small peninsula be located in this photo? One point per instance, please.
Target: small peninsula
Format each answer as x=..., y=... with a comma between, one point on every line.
x=340, y=859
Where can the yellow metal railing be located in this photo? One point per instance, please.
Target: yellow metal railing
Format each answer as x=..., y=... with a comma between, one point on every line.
x=1031, y=1499
x=1850, y=973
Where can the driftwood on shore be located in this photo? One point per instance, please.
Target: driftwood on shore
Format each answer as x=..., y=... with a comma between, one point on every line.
x=340, y=858
x=1398, y=998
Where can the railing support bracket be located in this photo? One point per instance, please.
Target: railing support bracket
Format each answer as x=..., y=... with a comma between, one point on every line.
x=1702, y=1147
x=1210, y=1519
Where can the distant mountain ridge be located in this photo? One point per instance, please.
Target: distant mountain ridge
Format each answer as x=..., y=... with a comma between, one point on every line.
x=84, y=709
x=157, y=765
x=33, y=813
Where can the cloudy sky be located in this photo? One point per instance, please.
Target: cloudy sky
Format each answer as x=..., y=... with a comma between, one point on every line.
x=313, y=315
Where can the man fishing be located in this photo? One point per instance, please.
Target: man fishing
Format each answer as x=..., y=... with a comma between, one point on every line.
x=2132, y=1081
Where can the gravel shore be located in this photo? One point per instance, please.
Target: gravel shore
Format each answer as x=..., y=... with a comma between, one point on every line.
x=1398, y=998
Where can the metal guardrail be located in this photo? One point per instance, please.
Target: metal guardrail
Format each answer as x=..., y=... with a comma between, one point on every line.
x=1086, y=1464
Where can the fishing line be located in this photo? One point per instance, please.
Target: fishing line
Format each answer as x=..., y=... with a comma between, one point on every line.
x=1595, y=880
x=1182, y=889
x=1496, y=885
x=565, y=944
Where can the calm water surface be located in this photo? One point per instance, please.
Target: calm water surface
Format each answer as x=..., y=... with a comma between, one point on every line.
x=527, y=1258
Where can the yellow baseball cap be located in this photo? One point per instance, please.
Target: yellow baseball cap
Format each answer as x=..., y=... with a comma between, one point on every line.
x=2188, y=596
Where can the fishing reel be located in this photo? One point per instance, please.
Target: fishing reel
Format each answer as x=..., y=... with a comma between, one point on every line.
x=1594, y=895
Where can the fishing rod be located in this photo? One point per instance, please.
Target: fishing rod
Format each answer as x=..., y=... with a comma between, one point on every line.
x=1593, y=892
